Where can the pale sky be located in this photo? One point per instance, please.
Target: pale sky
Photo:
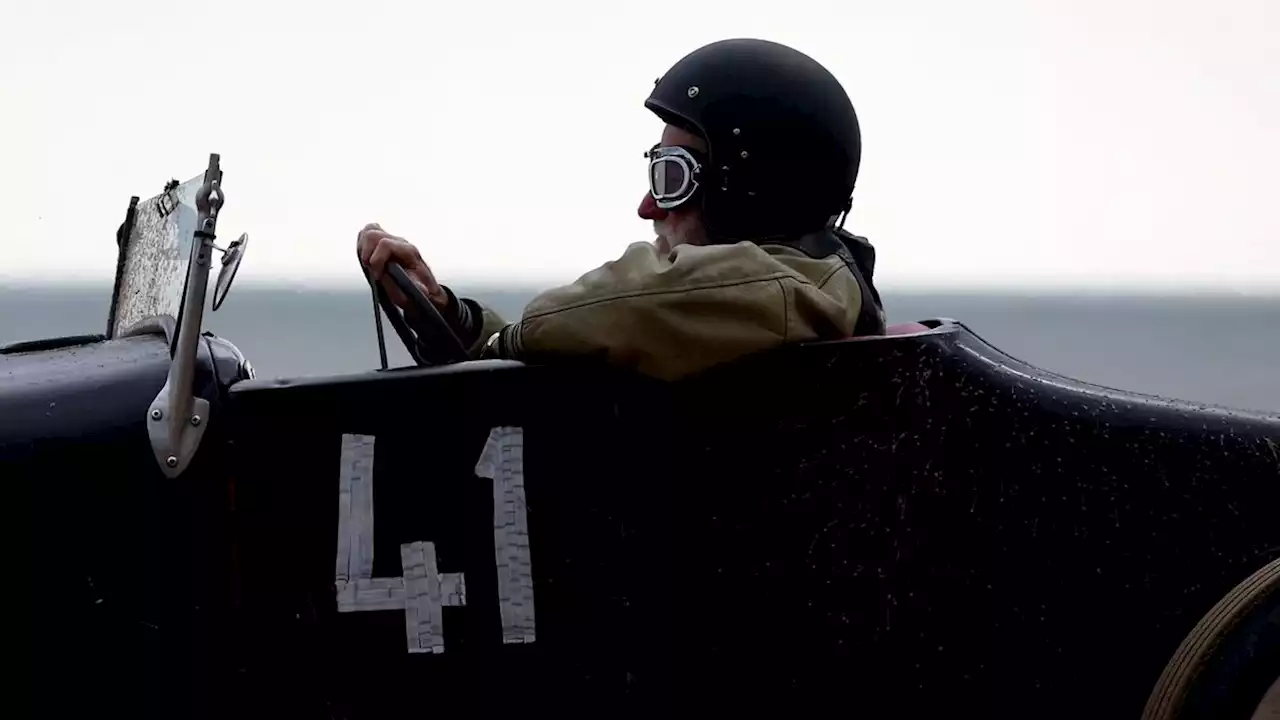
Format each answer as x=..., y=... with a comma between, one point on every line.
x=1072, y=142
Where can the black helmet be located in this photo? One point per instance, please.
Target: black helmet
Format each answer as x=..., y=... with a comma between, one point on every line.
x=782, y=134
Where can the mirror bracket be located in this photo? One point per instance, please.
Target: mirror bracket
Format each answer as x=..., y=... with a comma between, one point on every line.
x=176, y=419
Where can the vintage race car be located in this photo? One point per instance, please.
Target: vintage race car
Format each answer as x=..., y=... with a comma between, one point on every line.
x=915, y=525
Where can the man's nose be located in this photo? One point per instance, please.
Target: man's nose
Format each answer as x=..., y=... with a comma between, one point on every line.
x=649, y=209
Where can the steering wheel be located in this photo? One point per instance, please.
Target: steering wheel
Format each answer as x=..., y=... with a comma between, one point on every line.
x=423, y=330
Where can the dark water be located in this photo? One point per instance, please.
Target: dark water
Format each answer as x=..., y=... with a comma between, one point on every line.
x=1210, y=349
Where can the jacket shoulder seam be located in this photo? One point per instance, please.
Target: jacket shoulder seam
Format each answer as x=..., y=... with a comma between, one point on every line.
x=834, y=271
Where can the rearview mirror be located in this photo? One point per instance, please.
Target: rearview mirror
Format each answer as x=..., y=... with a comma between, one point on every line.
x=231, y=258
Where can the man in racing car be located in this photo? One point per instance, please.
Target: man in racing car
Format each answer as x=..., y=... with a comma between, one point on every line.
x=748, y=187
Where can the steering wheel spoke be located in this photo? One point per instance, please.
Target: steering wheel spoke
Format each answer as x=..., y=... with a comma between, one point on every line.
x=424, y=331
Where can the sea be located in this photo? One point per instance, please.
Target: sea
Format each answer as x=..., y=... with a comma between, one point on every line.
x=1220, y=349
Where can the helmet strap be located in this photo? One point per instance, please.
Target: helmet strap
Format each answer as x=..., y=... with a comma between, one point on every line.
x=838, y=219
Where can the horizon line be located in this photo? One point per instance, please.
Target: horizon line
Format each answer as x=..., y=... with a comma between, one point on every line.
x=1025, y=288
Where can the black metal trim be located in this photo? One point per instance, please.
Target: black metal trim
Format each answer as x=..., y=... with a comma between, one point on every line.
x=56, y=343
x=123, y=233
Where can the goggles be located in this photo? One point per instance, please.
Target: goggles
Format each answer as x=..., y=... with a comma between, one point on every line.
x=673, y=174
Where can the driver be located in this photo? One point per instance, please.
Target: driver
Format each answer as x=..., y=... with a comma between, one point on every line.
x=748, y=188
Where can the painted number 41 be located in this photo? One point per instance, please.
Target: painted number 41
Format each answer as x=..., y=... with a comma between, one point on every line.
x=423, y=591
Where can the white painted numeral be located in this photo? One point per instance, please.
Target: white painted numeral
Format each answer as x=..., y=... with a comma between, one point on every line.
x=423, y=590
x=502, y=462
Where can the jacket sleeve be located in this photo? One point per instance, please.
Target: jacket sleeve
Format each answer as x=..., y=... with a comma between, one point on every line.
x=671, y=316
x=490, y=323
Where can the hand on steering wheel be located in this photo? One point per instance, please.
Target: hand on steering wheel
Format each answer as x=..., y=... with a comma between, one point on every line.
x=411, y=310
x=423, y=330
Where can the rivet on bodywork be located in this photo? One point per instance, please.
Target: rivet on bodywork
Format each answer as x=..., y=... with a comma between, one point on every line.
x=156, y=414
x=693, y=91
x=171, y=461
